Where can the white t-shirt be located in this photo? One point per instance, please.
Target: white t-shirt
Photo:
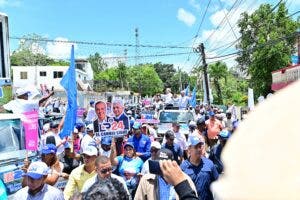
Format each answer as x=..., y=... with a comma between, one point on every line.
x=180, y=139
x=91, y=114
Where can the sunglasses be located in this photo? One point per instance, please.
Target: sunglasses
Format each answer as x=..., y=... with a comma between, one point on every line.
x=153, y=150
x=104, y=171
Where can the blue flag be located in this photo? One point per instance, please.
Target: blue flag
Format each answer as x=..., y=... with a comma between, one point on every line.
x=187, y=90
x=192, y=101
x=69, y=83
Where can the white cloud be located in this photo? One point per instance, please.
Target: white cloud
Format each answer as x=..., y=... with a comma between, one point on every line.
x=11, y=3
x=59, y=50
x=194, y=4
x=217, y=17
x=186, y=17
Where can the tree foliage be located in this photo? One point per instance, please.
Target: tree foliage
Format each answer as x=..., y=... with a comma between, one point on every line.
x=218, y=71
x=267, y=42
x=165, y=71
x=97, y=63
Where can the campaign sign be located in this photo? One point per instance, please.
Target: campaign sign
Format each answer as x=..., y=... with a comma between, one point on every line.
x=30, y=123
x=110, y=121
x=147, y=119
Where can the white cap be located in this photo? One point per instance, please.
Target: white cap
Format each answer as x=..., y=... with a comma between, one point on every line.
x=90, y=150
x=37, y=170
x=156, y=145
x=90, y=127
x=21, y=91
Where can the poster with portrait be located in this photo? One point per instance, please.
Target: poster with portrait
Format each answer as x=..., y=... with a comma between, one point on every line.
x=111, y=119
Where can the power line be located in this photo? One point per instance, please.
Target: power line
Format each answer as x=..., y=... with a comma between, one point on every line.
x=236, y=3
x=101, y=43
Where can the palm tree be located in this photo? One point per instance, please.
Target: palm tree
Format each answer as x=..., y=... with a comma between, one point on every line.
x=218, y=71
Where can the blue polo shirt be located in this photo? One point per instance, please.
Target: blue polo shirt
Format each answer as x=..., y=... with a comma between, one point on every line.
x=141, y=145
x=176, y=149
x=202, y=176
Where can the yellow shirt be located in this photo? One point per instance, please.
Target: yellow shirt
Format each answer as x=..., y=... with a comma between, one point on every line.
x=76, y=181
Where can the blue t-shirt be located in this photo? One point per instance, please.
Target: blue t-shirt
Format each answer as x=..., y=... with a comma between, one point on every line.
x=141, y=145
x=202, y=176
x=129, y=164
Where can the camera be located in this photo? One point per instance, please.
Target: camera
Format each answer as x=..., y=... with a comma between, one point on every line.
x=154, y=167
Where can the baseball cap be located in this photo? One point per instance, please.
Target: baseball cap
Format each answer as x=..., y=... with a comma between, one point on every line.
x=156, y=145
x=136, y=125
x=90, y=150
x=90, y=127
x=21, y=91
x=49, y=148
x=92, y=102
x=194, y=140
x=129, y=144
x=165, y=154
x=170, y=135
x=106, y=140
x=211, y=113
x=224, y=134
x=201, y=120
x=37, y=170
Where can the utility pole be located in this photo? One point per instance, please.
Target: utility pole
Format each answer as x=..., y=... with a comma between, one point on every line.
x=200, y=49
x=137, y=44
x=180, y=84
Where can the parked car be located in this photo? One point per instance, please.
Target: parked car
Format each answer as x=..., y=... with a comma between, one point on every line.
x=12, y=152
x=167, y=117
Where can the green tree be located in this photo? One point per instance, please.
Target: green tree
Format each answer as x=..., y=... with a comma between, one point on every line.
x=165, y=71
x=122, y=73
x=146, y=78
x=266, y=44
x=97, y=63
x=218, y=71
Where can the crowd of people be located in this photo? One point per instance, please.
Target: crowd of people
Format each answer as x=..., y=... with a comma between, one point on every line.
x=135, y=165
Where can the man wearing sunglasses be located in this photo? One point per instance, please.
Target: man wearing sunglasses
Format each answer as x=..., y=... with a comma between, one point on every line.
x=105, y=185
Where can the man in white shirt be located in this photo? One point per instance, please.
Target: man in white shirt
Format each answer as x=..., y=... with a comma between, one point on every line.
x=91, y=114
x=88, y=139
x=183, y=101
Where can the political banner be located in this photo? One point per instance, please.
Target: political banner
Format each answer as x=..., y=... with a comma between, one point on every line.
x=111, y=119
x=30, y=123
x=147, y=119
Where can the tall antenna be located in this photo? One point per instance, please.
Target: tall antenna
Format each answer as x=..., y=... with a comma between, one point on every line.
x=137, y=43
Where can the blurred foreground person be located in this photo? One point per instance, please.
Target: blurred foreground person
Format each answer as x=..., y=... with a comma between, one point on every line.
x=36, y=188
x=260, y=162
x=105, y=185
x=174, y=176
x=155, y=187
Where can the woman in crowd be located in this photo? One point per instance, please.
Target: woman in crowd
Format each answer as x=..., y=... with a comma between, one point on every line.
x=128, y=165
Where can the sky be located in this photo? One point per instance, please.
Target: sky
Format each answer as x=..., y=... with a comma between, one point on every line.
x=108, y=27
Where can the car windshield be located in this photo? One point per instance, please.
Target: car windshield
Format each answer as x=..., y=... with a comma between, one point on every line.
x=181, y=117
x=13, y=146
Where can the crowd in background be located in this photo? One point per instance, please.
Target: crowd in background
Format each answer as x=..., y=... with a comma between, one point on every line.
x=125, y=167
